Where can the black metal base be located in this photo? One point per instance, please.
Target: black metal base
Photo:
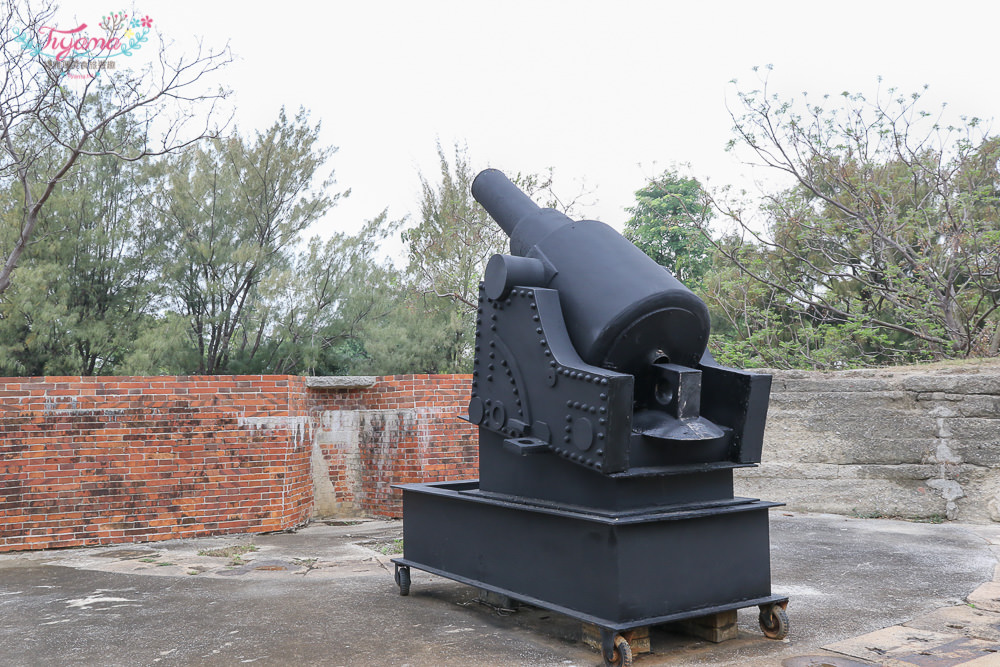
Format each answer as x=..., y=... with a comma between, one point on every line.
x=545, y=477
x=616, y=570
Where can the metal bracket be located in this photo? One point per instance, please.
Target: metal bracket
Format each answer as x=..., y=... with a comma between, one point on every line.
x=525, y=446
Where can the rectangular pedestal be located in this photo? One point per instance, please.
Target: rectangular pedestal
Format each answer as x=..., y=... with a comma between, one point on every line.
x=618, y=572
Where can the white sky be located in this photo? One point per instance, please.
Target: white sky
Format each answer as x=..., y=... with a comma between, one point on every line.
x=606, y=93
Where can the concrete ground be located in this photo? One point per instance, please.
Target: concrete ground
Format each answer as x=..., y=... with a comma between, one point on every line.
x=863, y=591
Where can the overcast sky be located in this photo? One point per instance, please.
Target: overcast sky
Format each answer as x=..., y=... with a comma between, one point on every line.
x=606, y=93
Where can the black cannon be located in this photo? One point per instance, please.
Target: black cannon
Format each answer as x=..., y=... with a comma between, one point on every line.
x=608, y=436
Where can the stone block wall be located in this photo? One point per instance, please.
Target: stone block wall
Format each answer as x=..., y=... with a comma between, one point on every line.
x=104, y=460
x=914, y=443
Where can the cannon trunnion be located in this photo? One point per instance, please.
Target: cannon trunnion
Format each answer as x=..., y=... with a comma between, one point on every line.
x=608, y=437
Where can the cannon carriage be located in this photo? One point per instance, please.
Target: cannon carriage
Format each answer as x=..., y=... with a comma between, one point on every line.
x=608, y=437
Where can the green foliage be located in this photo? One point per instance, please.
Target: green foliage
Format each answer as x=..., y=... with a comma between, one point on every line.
x=757, y=325
x=885, y=250
x=194, y=264
x=430, y=327
x=161, y=348
x=236, y=208
x=311, y=314
x=667, y=222
x=421, y=334
x=455, y=237
x=84, y=290
x=448, y=250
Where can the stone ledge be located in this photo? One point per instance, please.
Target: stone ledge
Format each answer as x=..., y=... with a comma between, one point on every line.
x=988, y=384
x=340, y=381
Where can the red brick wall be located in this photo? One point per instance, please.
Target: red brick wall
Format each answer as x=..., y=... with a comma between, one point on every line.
x=404, y=429
x=105, y=460
x=87, y=461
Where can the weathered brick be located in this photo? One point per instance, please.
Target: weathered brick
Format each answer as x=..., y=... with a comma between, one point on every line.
x=186, y=456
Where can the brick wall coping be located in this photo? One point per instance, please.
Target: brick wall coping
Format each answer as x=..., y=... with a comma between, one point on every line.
x=341, y=381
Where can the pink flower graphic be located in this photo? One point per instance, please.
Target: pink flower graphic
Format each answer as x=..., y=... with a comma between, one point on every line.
x=146, y=22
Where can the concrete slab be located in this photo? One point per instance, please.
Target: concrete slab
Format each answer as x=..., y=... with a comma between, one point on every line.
x=900, y=645
x=963, y=619
x=987, y=596
x=325, y=595
x=985, y=661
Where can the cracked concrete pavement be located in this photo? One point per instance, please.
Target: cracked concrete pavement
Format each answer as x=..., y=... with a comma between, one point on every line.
x=863, y=592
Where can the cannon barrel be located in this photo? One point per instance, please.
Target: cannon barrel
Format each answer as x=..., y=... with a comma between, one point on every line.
x=524, y=221
x=503, y=200
x=623, y=311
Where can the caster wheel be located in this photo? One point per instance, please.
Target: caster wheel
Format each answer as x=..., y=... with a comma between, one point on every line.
x=774, y=621
x=403, y=580
x=622, y=654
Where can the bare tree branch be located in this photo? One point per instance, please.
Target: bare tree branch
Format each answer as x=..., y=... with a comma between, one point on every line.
x=893, y=222
x=47, y=125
